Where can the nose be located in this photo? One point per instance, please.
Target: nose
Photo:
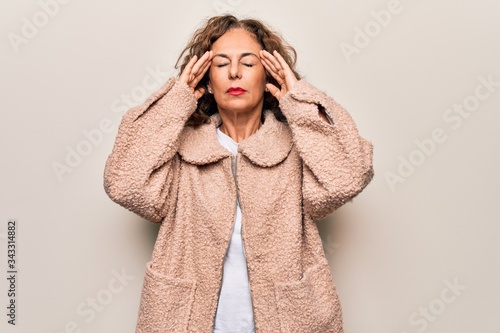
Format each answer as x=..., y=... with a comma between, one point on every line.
x=234, y=71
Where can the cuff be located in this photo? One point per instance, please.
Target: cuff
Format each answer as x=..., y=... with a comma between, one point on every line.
x=305, y=92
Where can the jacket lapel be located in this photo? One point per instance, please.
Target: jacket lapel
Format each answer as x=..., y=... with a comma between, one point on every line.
x=267, y=147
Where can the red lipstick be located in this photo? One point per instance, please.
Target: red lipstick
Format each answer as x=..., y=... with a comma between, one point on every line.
x=236, y=91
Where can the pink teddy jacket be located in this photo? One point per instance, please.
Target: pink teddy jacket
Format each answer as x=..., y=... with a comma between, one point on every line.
x=289, y=175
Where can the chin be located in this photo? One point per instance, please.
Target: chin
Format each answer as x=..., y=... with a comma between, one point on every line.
x=239, y=107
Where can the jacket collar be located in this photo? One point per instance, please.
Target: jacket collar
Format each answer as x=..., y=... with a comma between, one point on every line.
x=267, y=147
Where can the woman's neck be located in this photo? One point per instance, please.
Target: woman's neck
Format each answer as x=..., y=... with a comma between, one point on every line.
x=239, y=126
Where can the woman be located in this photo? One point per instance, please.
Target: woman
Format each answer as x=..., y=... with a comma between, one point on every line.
x=237, y=158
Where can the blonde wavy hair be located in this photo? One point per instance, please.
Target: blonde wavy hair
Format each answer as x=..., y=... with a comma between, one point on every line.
x=202, y=41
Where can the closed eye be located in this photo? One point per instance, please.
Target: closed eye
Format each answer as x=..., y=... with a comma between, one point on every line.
x=223, y=65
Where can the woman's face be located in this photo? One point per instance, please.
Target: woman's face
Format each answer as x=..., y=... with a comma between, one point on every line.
x=237, y=76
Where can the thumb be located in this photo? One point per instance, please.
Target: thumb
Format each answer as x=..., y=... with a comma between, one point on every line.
x=199, y=92
x=273, y=90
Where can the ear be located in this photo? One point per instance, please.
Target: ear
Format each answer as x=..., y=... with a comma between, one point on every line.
x=209, y=88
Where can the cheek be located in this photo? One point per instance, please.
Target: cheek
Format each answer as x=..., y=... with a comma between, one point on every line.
x=259, y=78
x=215, y=77
x=211, y=78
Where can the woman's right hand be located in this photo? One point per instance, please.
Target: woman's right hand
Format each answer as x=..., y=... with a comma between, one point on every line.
x=194, y=72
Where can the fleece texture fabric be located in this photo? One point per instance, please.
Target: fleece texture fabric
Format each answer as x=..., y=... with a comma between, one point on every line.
x=288, y=176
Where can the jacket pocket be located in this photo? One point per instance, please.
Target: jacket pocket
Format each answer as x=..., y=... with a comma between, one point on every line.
x=310, y=304
x=166, y=303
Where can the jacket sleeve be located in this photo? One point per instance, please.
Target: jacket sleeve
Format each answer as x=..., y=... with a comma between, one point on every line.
x=141, y=172
x=336, y=160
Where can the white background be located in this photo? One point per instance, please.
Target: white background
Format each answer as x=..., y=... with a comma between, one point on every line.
x=394, y=251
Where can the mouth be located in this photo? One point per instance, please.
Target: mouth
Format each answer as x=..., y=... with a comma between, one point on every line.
x=236, y=91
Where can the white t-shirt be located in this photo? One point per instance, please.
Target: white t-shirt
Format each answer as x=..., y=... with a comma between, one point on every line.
x=234, y=310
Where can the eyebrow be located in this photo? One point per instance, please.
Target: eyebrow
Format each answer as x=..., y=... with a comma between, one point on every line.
x=245, y=54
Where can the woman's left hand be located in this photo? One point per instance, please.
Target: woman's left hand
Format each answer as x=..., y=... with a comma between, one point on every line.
x=280, y=71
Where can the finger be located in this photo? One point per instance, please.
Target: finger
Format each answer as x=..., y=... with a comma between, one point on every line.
x=276, y=76
x=201, y=71
x=280, y=64
x=283, y=68
x=272, y=70
x=208, y=63
x=271, y=61
x=190, y=72
x=290, y=78
x=198, y=70
x=280, y=69
x=270, y=67
x=198, y=66
x=276, y=71
x=282, y=61
x=271, y=58
x=201, y=74
x=187, y=70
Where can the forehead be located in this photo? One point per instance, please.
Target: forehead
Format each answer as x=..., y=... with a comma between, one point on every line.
x=236, y=41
